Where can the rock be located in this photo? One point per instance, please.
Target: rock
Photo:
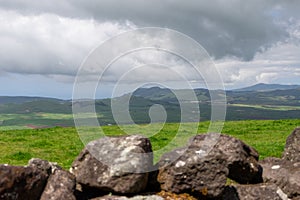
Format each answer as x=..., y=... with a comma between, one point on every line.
x=87, y=193
x=110, y=197
x=139, y=197
x=151, y=197
x=283, y=173
x=153, y=185
x=241, y=159
x=170, y=195
x=60, y=185
x=193, y=174
x=18, y=182
x=115, y=164
x=202, y=167
x=44, y=165
x=292, y=146
x=253, y=192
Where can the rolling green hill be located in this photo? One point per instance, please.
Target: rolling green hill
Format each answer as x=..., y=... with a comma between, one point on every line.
x=23, y=99
x=268, y=87
x=30, y=112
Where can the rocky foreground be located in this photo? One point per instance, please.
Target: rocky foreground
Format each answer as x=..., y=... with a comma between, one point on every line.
x=121, y=168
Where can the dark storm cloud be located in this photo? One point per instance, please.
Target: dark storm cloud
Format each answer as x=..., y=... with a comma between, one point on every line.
x=250, y=41
x=223, y=27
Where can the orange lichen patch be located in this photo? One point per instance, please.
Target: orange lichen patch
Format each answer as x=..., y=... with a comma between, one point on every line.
x=172, y=196
x=204, y=191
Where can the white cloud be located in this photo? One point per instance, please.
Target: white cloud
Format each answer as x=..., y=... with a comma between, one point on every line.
x=266, y=77
x=48, y=43
x=280, y=63
x=238, y=27
x=251, y=41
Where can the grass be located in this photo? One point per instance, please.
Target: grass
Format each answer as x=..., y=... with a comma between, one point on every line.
x=21, y=121
x=269, y=107
x=55, y=144
x=62, y=145
x=15, y=127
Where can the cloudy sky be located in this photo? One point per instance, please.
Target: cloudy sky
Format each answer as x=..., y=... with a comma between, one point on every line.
x=43, y=43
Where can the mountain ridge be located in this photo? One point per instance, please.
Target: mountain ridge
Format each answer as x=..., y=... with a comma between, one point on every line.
x=267, y=87
x=241, y=105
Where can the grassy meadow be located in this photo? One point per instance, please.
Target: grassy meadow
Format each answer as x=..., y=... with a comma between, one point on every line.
x=62, y=145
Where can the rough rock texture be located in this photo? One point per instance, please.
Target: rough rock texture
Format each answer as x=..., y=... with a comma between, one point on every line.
x=253, y=192
x=292, y=146
x=115, y=164
x=241, y=159
x=44, y=165
x=22, y=183
x=285, y=174
x=191, y=173
x=139, y=197
x=60, y=185
x=170, y=195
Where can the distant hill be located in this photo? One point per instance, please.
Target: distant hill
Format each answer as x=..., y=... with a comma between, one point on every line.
x=152, y=92
x=17, y=105
x=269, y=104
x=155, y=93
x=268, y=87
x=287, y=97
x=261, y=101
x=24, y=99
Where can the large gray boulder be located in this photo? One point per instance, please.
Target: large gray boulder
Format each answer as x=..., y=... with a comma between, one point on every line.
x=292, y=146
x=283, y=173
x=192, y=173
x=21, y=183
x=203, y=166
x=115, y=164
x=241, y=159
x=254, y=192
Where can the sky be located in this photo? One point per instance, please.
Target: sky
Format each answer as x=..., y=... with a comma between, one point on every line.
x=44, y=43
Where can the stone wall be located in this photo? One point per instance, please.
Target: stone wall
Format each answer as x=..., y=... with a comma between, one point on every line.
x=121, y=168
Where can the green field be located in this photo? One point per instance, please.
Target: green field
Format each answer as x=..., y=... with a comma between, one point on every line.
x=62, y=145
x=34, y=120
x=281, y=102
x=268, y=107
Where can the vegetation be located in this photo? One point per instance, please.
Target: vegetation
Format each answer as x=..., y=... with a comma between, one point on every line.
x=62, y=145
x=262, y=107
x=258, y=102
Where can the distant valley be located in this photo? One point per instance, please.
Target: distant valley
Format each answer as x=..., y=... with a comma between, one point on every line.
x=261, y=101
